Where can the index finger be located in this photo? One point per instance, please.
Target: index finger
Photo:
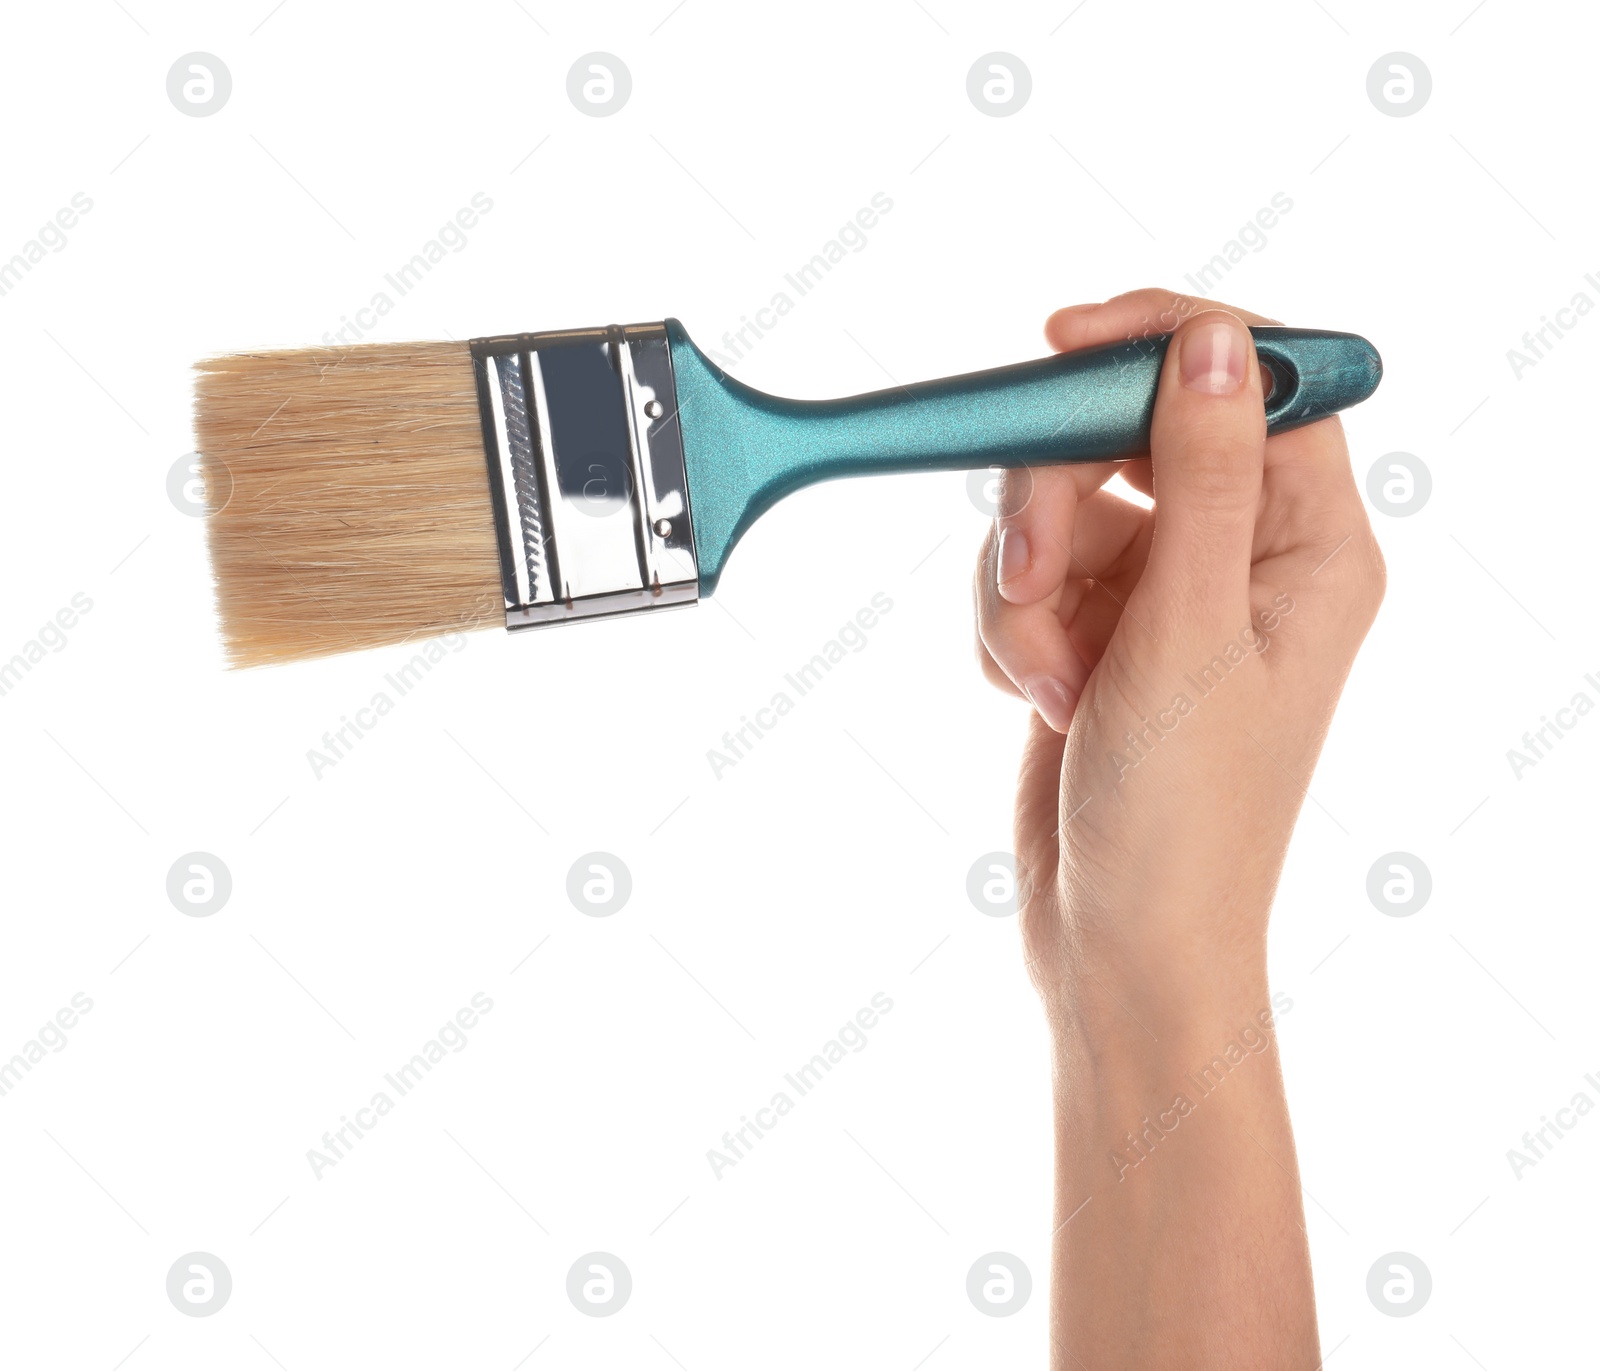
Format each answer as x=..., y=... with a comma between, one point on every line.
x=1311, y=460
x=1035, y=523
x=1037, y=513
x=1137, y=314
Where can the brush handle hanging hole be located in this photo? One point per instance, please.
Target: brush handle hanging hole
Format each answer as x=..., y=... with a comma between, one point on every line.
x=1279, y=382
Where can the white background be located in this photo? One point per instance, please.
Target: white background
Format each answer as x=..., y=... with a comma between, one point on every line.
x=771, y=904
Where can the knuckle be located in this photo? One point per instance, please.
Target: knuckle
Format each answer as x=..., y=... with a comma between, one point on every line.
x=1015, y=493
x=997, y=651
x=983, y=571
x=1040, y=929
x=1374, y=579
x=1163, y=308
x=1211, y=457
x=987, y=651
x=1211, y=479
x=993, y=673
x=1352, y=572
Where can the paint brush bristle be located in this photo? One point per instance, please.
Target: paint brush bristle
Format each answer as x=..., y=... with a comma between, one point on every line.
x=348, y=498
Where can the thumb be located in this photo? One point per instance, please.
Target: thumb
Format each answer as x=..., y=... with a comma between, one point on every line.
x=1207, y=445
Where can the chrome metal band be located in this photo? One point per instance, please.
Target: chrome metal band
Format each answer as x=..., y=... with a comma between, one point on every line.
x=585, y=460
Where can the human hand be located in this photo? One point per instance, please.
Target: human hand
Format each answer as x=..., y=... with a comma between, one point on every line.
x=1184, y=661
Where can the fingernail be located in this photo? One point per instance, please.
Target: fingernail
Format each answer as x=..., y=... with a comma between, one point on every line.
x=1052, y=699
x=1013, y=555
x=1212, y=360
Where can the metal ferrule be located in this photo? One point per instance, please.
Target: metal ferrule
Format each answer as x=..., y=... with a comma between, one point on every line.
x=586, y=473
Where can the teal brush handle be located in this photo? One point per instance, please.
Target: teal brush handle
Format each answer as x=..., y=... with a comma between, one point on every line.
x=745, y=450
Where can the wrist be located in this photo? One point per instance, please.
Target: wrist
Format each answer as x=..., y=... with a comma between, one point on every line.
x=1139, y=1002
x=1169, y=957
x=1117, y=1074
x=1115, y=1031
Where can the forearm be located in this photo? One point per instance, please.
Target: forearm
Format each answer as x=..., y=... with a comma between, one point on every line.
x=1180, y=1238
x=1184, y=663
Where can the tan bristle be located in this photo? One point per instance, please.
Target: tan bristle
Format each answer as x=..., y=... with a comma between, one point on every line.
x=349, y=498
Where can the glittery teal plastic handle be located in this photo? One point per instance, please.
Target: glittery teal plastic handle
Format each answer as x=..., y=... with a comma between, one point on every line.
x=745, y=450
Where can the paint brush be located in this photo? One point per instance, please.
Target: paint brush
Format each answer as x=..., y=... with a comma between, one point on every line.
x=385, y=492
